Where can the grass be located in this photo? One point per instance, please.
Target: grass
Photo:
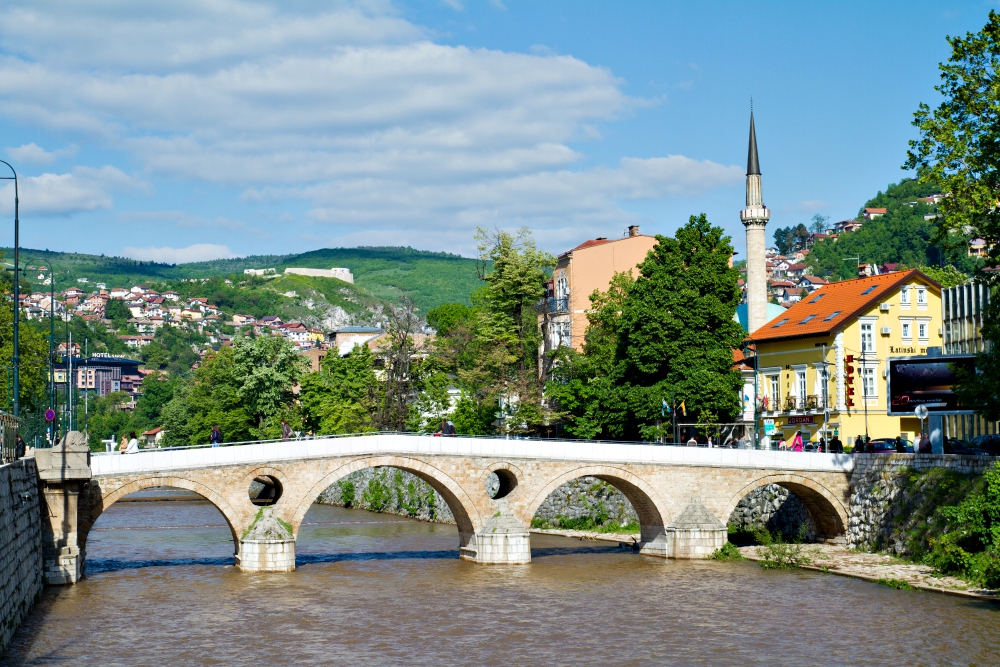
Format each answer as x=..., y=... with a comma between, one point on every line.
x=898, y=584
x=588, y=523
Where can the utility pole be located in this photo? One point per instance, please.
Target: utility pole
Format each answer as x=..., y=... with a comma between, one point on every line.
x=69, y=383
x=17, y=297
x=52, y=346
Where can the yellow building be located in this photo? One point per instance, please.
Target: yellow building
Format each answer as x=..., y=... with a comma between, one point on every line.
x=821, y=366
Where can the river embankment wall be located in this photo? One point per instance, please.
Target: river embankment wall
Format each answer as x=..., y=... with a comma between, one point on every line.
x=892, y=494
x=21, y=573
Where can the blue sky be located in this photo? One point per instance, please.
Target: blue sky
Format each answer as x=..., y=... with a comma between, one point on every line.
x=215, y=128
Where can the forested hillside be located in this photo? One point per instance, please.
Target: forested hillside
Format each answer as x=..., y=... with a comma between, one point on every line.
x=428, y=278
x=902, y=236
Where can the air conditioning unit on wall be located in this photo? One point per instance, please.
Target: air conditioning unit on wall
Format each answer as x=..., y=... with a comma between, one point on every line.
x=884, y=307
x=886, y=331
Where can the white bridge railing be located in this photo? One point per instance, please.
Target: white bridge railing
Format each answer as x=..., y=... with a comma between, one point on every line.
x=206, y=456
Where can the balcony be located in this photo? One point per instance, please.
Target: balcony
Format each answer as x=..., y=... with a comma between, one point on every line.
x=554, y=305
x=811, y=403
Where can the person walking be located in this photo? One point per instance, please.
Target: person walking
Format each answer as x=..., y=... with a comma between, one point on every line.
x=797, y=442
x=924, y=447
x=216, y=437
x=19, y=447
x=900, y=447
x=869, y=445
x=123, y=445
x=133, y=444
x=836, y=446
x=692, y=442
x=286, y=430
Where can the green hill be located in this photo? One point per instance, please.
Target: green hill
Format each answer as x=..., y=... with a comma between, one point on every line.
x=428, y=278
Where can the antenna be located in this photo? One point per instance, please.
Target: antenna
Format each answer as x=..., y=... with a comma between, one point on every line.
x=751, y=104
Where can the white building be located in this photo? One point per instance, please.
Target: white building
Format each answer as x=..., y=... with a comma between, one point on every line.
x=338, y=273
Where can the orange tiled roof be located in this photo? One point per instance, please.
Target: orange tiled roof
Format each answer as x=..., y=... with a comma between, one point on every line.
x=834, y=305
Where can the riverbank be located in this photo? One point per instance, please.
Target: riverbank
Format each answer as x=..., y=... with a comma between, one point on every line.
x=881, y=568
x=835, y=559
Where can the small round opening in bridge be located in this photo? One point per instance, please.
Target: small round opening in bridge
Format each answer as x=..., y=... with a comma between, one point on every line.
x=500, y=484
x=264, y=490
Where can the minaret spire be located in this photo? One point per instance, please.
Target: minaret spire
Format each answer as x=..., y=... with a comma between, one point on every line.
x=755, y=217
x=753, y=165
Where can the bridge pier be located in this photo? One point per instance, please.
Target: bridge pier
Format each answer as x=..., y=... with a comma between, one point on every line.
x=267, y=545
x=695, y=533
x=503, y=540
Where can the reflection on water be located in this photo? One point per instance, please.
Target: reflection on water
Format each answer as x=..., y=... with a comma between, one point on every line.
x=379, y=589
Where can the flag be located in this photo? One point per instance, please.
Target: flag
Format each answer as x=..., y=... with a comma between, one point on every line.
x=684, y=409
x=664, y=408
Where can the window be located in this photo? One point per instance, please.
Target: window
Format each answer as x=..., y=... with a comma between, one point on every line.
x=800, y=377
x=807, y=319
x=922, y=330
x=869, y=290
x=817, y=298
x=831, y=316
x=780, y=323
x=867, y=337
x=906, y=330
x=868, y=382
x=773, y=382
x=904, y=295
x=921, y=296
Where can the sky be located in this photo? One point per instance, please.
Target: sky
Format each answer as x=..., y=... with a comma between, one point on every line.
x=193, y=130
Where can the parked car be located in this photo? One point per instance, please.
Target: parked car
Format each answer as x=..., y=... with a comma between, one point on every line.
x=888, y=445
x=987, y=444
x=958, y=446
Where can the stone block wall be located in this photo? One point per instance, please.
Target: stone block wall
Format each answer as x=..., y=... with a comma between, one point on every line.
x=877, y=482
x=21, y=580
x=778, y=510
x=399, y=492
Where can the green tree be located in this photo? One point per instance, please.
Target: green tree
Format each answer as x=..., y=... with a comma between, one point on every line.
x=669, y=335
x=447, y=316
x=342, y=396
x=107, y=419
x=265, y=368
x=677, y=332
x=118, y=312
x=959, y=147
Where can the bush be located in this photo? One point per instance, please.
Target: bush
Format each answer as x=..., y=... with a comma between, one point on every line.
x=346, y=492
x=727, y=551
x=776, y=554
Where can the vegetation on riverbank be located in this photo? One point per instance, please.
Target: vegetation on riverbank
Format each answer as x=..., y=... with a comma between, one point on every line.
x=596, y=524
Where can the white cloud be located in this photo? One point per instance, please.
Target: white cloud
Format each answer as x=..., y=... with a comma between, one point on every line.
x=199, y=252
x=351, y=109
x=34, y=154
x=83, y=189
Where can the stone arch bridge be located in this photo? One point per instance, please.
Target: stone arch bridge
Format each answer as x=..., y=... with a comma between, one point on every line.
x=683, y=496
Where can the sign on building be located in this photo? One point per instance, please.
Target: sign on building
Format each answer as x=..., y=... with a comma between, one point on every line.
x=927, y=381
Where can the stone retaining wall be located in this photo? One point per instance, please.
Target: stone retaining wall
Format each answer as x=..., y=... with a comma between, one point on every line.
x=877, y=482
x=20, y=545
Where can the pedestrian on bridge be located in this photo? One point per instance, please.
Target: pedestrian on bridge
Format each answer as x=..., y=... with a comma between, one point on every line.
x=133, y=444
x=216, y=437
x=286, y=430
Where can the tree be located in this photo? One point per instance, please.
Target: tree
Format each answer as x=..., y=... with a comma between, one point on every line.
x=446, y=317
x=118, y=312
x=818, y=225
x=342, y=396
x=668, y=336
x=959, y=147
x=264, y=369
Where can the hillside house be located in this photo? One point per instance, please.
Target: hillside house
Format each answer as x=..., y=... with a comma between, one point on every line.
x=872, y=213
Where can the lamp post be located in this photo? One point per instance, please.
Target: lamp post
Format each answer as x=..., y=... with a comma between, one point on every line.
x=748, y=344
x=16, y=361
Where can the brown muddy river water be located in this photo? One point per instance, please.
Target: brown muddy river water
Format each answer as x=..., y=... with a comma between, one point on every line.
x=375, y=589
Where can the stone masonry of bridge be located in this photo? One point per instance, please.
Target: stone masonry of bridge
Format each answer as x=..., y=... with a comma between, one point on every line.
x=682, y=495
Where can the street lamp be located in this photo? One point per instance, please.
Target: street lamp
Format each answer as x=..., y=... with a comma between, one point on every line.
x=16, y=361
x=747, y=344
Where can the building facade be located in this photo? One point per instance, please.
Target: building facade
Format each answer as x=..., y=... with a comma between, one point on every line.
x=821, y=366
x=578, y=273
x=963, y=313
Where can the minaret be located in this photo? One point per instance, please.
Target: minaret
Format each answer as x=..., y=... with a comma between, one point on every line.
x=755, y=217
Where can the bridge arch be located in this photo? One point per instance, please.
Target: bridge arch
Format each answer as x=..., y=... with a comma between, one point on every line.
x=107, y=497
x=652, y=511
x=827, y=511
x=462, y=507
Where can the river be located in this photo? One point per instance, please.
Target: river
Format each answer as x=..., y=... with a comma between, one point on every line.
x=375, y=589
